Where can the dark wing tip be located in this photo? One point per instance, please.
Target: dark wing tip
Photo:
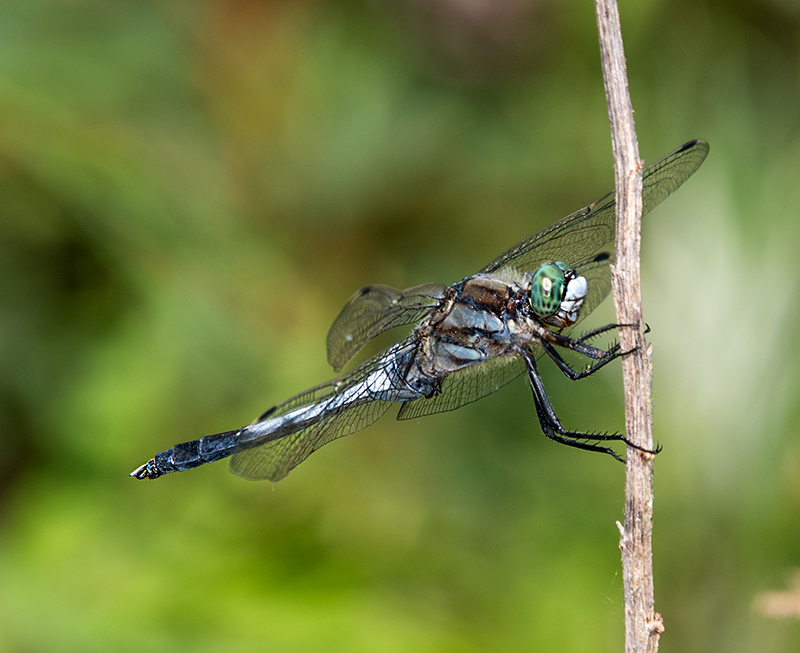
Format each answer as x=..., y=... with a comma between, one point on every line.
x=698, y=145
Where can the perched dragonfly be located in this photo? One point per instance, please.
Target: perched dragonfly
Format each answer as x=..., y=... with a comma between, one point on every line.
x=470, y=339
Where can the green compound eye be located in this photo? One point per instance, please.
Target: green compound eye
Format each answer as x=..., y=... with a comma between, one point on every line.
x=548, y=287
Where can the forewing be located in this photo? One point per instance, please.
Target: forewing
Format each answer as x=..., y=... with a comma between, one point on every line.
x=373, y=310
x=589, y=231
x=598, y=277
x=272, y=456
x=465, y=386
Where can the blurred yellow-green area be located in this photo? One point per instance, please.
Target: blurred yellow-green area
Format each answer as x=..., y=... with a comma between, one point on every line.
x=191, y=190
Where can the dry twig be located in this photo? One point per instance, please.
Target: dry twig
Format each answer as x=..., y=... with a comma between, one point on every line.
x=643, y=626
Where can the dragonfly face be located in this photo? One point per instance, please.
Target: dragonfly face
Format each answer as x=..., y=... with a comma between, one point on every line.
x=557, y=294
x=469, y=339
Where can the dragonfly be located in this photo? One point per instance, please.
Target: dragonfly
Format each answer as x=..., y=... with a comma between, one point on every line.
x=469, y=340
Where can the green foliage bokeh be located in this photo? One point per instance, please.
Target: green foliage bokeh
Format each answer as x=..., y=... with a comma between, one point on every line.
x=189, y=192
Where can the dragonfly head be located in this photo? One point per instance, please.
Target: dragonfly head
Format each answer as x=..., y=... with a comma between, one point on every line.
x=557, y=294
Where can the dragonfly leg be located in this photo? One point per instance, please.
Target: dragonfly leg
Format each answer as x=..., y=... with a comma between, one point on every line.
x=580, y=346
x=603, y=329
x=569, y=372
x=608, y=327
x=553, y=429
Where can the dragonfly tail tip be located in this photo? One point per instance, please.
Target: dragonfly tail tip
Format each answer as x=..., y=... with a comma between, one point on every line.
x=143, y=471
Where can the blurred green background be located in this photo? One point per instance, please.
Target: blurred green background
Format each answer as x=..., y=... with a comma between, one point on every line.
x=190, y=191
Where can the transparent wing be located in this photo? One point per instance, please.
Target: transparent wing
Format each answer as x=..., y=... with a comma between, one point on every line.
x=588, y=232
x=273, y=454
x=584, y=240
x=465, y=386
x=598, y=276
x=274, y=459
x=373, y=310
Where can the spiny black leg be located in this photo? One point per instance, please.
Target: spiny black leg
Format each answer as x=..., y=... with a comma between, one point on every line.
x=579, y=346
x=603, y=329
x=609, y=327
x=610, y=355
x=552, y=427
